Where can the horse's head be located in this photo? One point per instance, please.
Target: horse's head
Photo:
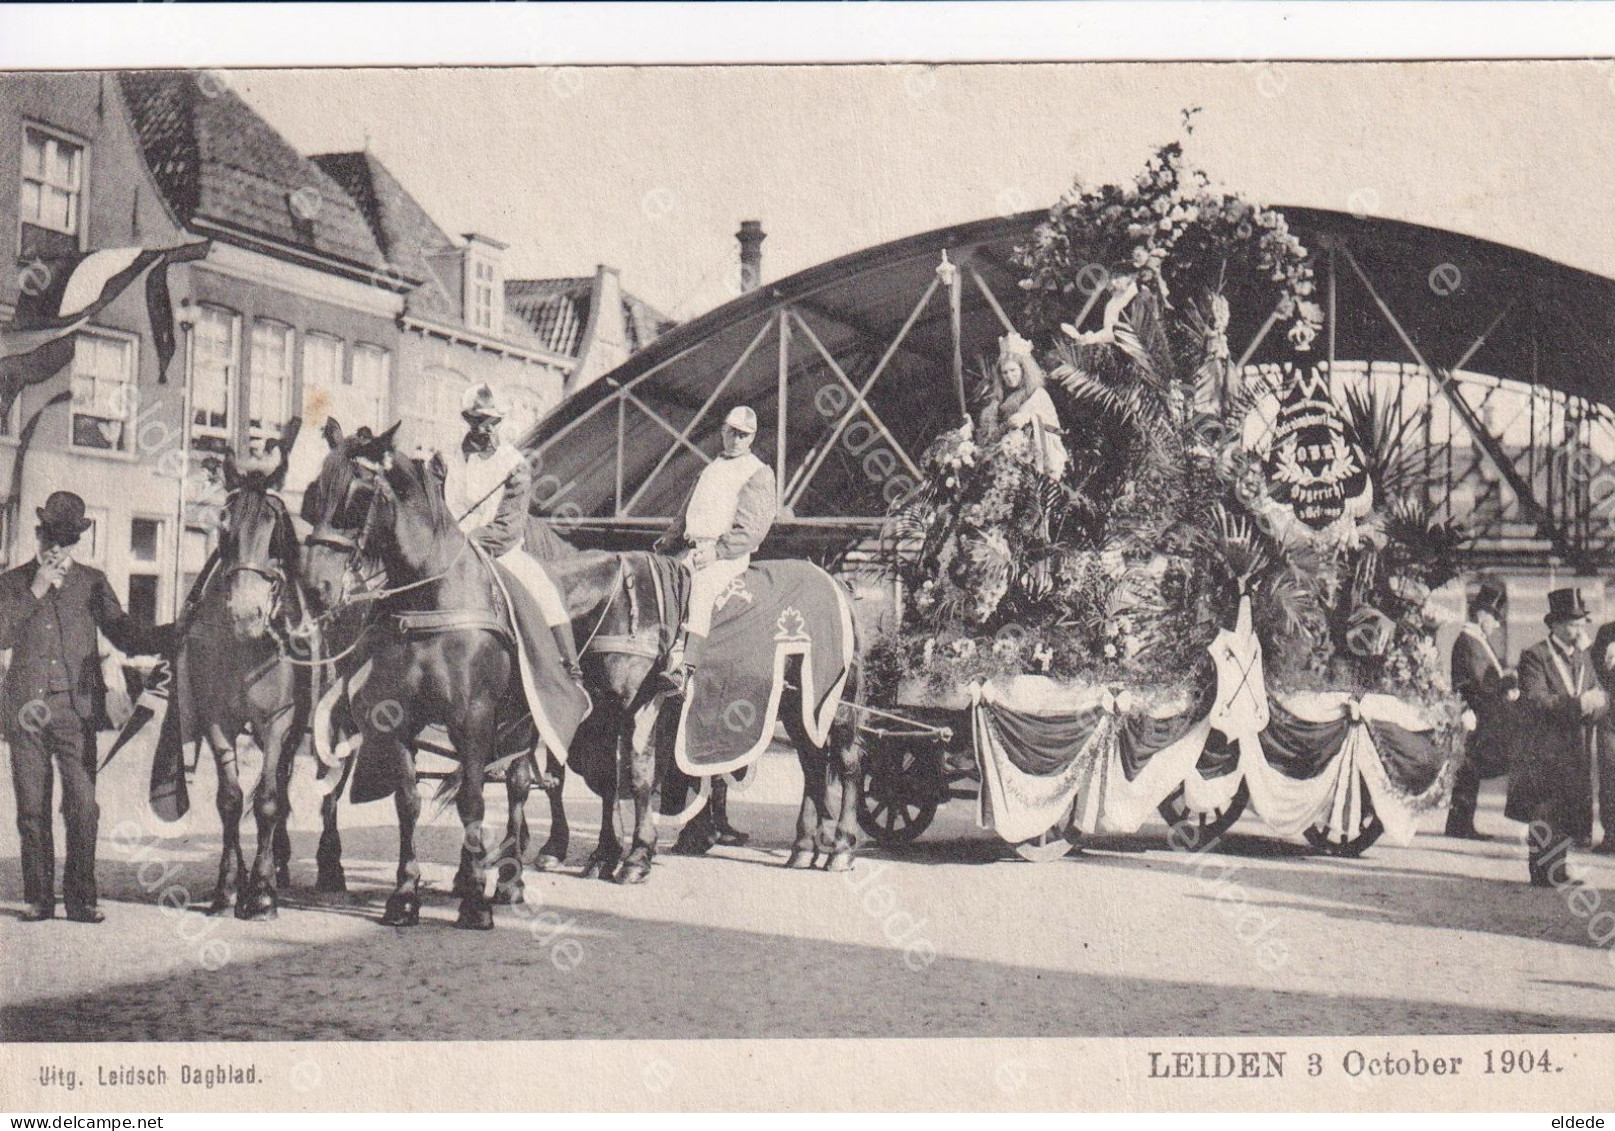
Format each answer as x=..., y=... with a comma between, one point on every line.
x=258, y=544
x=368, y=503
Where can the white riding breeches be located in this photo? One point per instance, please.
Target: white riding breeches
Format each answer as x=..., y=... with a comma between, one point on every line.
x=705, y=585
x=535, y=579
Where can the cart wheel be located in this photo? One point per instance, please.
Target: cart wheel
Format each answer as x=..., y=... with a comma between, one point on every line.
x=1202, y=830
x=1367, y=833
x=894, y=804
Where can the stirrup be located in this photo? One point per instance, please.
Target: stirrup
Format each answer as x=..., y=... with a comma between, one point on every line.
x=674, y=680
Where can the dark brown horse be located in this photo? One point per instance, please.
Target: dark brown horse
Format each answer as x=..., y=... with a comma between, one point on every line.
x=236, y=672
x=371, y=504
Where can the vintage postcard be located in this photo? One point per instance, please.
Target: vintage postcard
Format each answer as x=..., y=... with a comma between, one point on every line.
x=1072, y=586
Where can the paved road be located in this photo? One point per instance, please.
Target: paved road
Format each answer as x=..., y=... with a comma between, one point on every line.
x=949, y=938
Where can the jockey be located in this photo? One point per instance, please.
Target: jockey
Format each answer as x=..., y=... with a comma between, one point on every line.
x=725, y=517
x=487, y=491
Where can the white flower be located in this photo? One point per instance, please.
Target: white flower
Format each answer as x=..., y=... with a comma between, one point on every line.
x=964, y=647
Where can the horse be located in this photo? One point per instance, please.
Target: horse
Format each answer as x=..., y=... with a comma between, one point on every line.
x=238, y=671
x=370, y=504
x=623, y=749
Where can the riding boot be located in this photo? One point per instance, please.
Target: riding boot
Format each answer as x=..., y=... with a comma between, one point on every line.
x=672, y=678
x=567, y=647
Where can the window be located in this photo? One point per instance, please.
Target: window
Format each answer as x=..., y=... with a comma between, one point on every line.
x=217, y=358
x=270, y=379
x=104, y=392
x=365, y=394
x=484, y=295
x=432, y=412
x=52, y=190
x=145, y=567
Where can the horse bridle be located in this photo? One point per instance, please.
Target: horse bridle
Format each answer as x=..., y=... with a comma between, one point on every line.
x=337, y=540
x=270, y=571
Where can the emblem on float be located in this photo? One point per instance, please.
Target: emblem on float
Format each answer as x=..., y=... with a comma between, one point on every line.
x=1315, y=465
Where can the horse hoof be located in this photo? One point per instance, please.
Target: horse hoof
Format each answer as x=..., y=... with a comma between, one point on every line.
x=475, y=916
x=331, y=883
x=506, y=895
x=597, y=869
x=548, y=862
x=695, y=846
x=635, y=873
x=283, y=878
x=260, y=907
x=220, y=902
x=464, y=886
x=402, y=911
x=839, y=862
x=800, y=858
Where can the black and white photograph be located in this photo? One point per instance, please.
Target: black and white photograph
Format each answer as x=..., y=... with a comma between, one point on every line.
x=811, y=553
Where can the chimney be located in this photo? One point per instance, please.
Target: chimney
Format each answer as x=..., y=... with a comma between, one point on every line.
x=751, y=237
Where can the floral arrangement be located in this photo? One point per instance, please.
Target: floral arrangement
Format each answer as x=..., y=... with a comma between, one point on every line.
x=1166, y=515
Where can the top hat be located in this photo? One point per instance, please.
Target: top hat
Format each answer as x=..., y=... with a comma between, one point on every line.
x=62, y=516
x=1565, y=605
x=1490, y=597
x=742, y=419
x=479, y=403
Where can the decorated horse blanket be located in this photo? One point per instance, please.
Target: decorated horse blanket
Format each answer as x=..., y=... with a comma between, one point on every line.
x=774, y=611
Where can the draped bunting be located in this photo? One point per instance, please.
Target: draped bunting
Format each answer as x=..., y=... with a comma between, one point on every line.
x=1047, y=751
x=1053, y=755
x=1324, y=753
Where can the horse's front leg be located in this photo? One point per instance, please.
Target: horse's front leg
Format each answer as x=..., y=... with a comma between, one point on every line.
x=644, y=785
x=508, y=886
x=331, y=879
x=257, y=900
x=230, y=802
x=607, y=852
x=404, y=904
x=553, y=852
x=474, y=740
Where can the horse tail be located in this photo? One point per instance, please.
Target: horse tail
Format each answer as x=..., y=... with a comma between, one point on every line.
x=446, y=794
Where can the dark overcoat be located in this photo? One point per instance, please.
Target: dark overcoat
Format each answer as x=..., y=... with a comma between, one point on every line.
x=1545, y=772
x=1481, y=682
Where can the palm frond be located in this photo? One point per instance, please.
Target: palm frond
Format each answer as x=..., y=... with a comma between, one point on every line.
x=1394, y=460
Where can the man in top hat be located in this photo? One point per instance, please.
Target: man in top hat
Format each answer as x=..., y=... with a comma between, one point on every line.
x=50, y=610
x=1488, y=690
x=1604, y=665
x=1561, y=702
x=725, y=517
x=487, y=490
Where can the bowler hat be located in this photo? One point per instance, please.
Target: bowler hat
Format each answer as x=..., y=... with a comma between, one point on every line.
x=62, y=516
x=1565, y=605
x=1490, y=597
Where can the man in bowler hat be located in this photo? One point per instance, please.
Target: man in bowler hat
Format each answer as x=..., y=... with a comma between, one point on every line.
x=50, y=610
x=1488, y=691
x=1561, y=702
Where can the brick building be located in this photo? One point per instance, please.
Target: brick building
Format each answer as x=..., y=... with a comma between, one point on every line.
x=328, y=291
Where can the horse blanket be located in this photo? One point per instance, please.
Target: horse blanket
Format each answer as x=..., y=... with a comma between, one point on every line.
x=774, y=611
x=551, y=703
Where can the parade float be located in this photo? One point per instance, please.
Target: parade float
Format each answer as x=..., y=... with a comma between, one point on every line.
x=1143, y=576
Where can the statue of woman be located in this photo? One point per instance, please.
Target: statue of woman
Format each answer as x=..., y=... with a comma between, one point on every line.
x=1023, y=402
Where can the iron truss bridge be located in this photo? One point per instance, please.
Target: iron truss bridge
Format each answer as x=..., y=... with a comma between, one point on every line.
x=1500, y=365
